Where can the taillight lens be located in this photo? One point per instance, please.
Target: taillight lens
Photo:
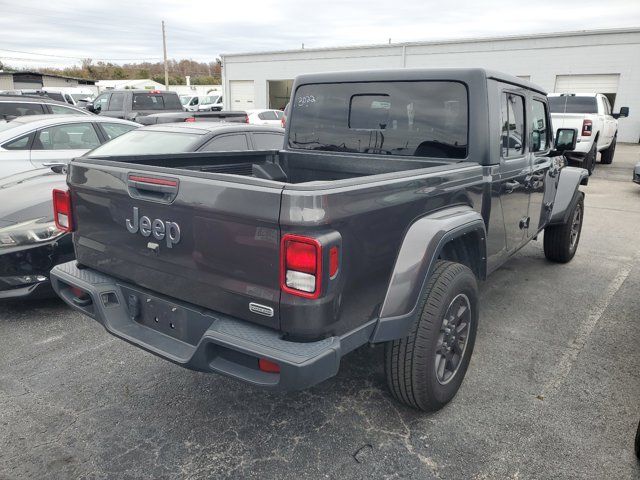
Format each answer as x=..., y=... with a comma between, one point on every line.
x=246, y=119
x=268, y=366
x=334, y=261
x=301, y=266
x=283, y=121
x=189, y=119
x=62, y=210
x=587, y=127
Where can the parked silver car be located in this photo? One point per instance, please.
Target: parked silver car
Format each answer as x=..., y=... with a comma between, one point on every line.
x=34, y=141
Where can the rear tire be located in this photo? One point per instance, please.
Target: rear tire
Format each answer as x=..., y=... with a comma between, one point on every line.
x=425, y=369
x=561, y=241
x=606, y=156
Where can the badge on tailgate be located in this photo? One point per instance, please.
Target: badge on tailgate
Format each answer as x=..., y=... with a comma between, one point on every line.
x=159, y=229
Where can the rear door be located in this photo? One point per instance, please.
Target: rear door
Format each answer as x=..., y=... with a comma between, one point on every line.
x=515, y=167
x=61, y=143
x=201, y=238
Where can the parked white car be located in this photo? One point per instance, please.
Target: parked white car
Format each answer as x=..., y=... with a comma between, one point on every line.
x=597, y=125
x=77, y=96
x=211, y=103
x=265, y=117
x=35, y=141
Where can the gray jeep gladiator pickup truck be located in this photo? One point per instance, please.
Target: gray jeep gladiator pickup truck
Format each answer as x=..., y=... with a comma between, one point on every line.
x=396, y=192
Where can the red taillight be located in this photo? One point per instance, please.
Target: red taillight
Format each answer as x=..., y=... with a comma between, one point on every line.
x=189, y=119
x=301, y=266
x=62, y=210
x=268, y=366
x=246, y=119
x=155, y=91
x=283, y=121
x=587, y=127
x=334, y=261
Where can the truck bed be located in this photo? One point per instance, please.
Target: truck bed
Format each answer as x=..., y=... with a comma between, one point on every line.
x=297, y=168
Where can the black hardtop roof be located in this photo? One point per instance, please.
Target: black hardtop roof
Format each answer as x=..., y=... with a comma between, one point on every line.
x=136, y=90
x=467, y=75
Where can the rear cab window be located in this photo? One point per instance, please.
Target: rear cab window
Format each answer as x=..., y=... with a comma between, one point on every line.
x=156, y=101
x=420, y=118
x=268, y=141
x=573, y=104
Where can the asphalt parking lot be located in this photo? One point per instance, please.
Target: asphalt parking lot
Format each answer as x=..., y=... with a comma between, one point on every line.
x=553, y=389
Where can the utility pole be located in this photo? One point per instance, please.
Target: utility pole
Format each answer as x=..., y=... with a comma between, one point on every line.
x=166, y=65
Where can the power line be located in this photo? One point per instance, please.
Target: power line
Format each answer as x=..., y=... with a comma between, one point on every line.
x=81, y=58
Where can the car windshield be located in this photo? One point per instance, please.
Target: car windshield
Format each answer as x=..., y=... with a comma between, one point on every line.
x=211, y=99
x=185, y=100
x=573, y=104
x=80, y=96
x=424, y=119
x=145, y=142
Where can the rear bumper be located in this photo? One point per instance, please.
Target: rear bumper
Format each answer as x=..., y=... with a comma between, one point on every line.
x=200, y=339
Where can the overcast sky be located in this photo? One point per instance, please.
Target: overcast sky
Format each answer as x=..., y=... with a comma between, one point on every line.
x=35, y=33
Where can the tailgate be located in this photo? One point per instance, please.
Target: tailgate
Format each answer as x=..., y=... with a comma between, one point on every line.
x=567, y=120
x=200, y=238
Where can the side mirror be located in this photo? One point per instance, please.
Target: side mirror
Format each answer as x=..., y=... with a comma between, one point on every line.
x=565, y=140
x=624, y=113
x=89, y=106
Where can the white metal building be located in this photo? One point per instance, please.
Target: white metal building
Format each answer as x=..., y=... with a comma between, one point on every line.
x=602, y=61
x=141, y=84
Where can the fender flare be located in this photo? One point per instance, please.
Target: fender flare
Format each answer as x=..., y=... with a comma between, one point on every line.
x=566, y=193
x=421, y=247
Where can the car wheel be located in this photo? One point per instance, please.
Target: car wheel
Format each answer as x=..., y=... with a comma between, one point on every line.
x=607, y=155
x=425, y=369
x=561, y=241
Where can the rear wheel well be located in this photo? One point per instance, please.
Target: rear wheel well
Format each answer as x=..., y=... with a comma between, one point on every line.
x=467, y=249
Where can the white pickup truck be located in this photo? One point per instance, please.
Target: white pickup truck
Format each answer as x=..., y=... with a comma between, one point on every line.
x=591, y=115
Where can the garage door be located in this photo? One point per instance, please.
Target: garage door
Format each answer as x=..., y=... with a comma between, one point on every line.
x=587, y=83
x=241, y=95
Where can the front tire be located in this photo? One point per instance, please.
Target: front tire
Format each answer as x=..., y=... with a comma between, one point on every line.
x=561, y=241
x=425, y=369
x=606, y=156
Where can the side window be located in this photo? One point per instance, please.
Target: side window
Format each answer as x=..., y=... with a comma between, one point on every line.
x=116, y=102
x=101, y=101
x=194, y=101
x=74, y=136
x=113, y=130
x=15, y=109
x=224, y=143
x=539, y=127
x=512, y=135
x=269, y=115
x=268, y=141
x=61, y=110
x=21, y=143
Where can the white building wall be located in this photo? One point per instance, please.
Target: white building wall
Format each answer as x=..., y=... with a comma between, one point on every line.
x=541, y=57
x=48, y=81
x=6, y=81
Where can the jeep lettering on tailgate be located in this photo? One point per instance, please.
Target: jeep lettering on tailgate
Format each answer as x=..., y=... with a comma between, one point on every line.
x=158, y=228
